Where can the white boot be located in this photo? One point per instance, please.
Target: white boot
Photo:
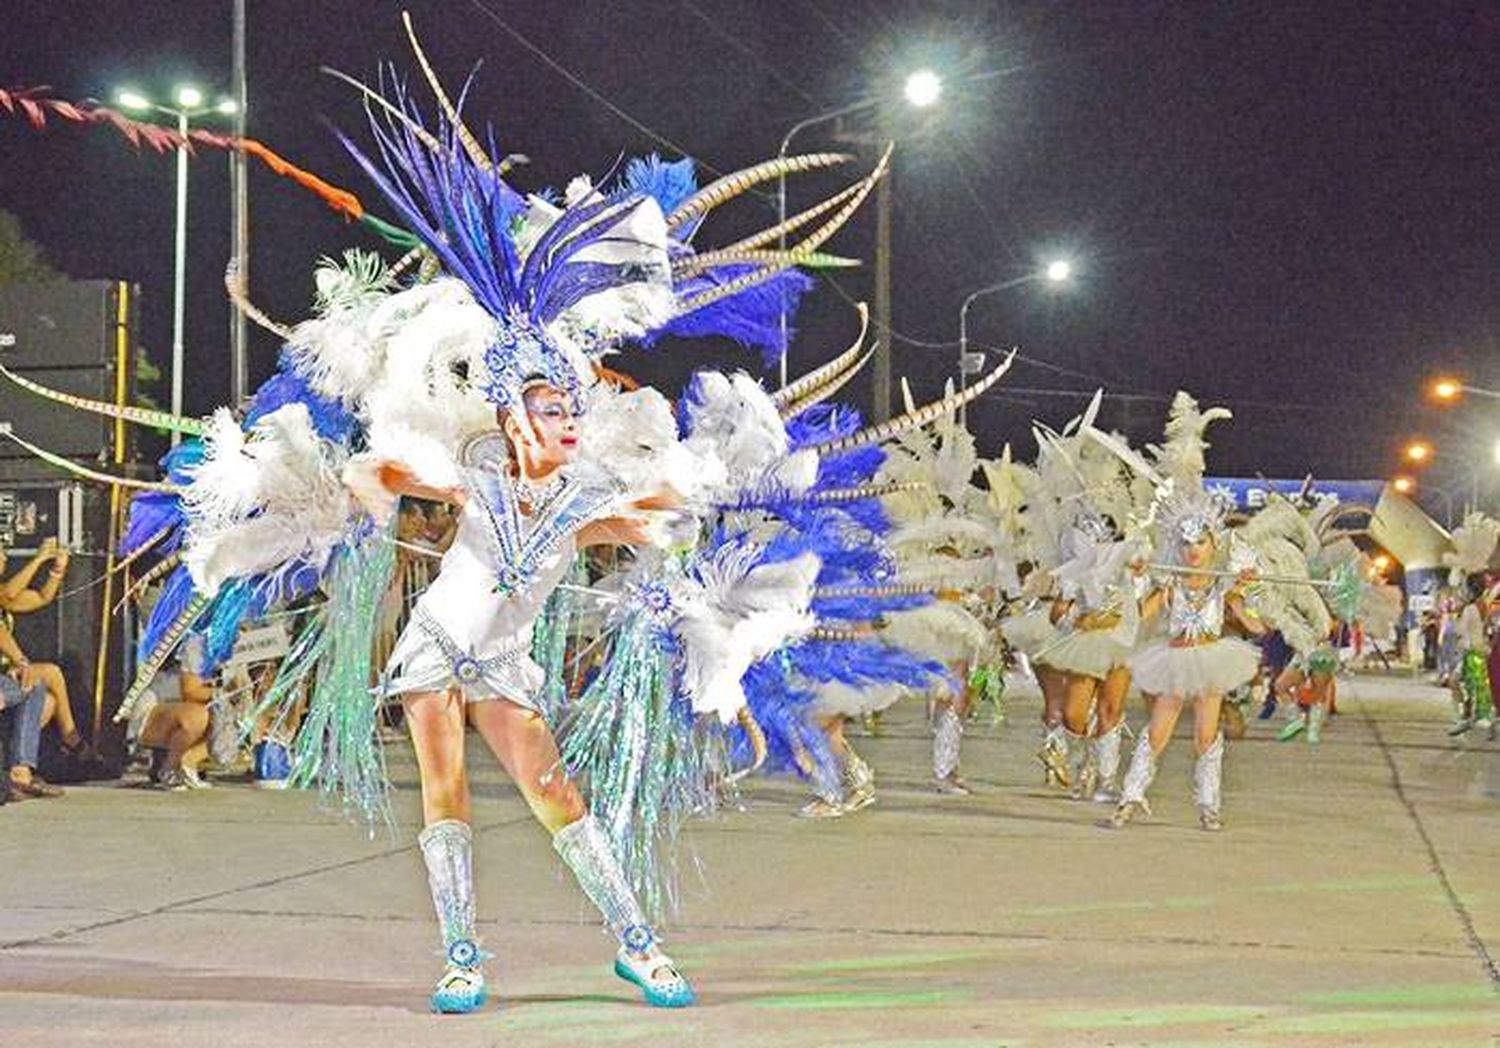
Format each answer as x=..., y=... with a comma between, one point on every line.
x=1107, y=764
x=947, y=741
x=1137, y=781
x=1054, y=759
x=1208, y=784
x=585, y=848
x=448, y=850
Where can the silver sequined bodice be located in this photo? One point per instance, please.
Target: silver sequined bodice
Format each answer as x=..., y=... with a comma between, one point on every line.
x=1195, y=615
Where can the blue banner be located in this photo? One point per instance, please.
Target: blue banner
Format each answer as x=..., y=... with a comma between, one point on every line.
x=1250, y=493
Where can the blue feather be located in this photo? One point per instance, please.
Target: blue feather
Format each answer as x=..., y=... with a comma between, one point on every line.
x=176, y=593
x=849, y=469
x=330, y=419
x=668, y=182
x=752, y=318
x=821, y=423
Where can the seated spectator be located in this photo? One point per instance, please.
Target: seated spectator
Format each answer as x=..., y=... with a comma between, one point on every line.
x=22, y=699
x=19, y=596
x=171, y=721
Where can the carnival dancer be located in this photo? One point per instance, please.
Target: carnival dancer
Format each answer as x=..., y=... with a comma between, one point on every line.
x=464, y=658
x=1204, y=574
x=958, y=540
x=1196, y=664
x=1467, y=673
x=1078, y=519
x=1310, y=683
x=1096, y=634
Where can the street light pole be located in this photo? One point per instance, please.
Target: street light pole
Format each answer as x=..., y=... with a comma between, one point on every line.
x=239, y=371
x=923, y=88
x=781, y=215
x=189, y=105
x=1057, y=272
x=179, y=274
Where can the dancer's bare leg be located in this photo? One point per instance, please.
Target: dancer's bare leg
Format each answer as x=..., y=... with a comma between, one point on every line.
x=523, y=743
x=1078, y=706
x=437, y=734
x=1053, y=755
x=436, y=723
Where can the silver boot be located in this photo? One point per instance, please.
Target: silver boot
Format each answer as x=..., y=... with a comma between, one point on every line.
x=586, y=849
x=448, y=851
x=947, y=740
x=1053, y=757
x=858, y=781
x=1137, y=781
x=1107, y=764
x=1208, y=783
x=1081, y=770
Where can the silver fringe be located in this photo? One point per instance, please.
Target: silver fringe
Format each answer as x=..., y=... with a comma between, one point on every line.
x=448, y=851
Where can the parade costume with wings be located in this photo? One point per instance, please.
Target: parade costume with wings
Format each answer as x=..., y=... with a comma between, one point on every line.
x=713, y=644
x=947, y=538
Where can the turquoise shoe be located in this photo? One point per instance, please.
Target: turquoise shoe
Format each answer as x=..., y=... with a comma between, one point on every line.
x=462, y=988
x=657, y=978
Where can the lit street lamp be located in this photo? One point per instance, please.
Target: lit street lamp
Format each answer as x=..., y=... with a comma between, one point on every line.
x=1059, y=271
x=1451, y=390
x=189, y=107
x=1418, y=451
x=922, y=89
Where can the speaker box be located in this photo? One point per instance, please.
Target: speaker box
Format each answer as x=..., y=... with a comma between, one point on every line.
x=73, y=337
x=70, y=630
x=57, y=427
x=64, y=324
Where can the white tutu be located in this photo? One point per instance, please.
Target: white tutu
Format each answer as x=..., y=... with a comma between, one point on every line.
x=1219, y=666
x=840, y=700
x=1029, y=633
x=1089, y=653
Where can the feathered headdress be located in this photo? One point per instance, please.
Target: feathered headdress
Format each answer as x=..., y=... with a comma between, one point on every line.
x=1185, y=511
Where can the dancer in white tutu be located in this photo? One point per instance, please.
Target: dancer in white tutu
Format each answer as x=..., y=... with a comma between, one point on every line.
x=1195, y=663
x=1096, y=635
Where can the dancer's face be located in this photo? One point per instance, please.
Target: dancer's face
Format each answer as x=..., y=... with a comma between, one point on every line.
x=553, y=441
x=1200, y=552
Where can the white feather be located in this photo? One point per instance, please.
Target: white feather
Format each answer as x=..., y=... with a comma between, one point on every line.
x=734, y=614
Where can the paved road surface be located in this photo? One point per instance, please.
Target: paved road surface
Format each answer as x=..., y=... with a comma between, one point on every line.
x=1352, y=900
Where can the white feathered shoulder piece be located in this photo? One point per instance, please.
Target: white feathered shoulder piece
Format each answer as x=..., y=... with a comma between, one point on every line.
x=265, y=499
x=1282, y=541
x=731, y=418
x=633, y=435
x=336, y=349
x=426, y=399
x=1474, y=543
x=732, y=612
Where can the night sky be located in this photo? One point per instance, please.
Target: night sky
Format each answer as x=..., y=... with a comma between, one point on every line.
x=1285, y=207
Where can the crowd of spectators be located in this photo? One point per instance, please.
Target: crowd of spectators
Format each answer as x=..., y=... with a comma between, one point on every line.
x=194, y=722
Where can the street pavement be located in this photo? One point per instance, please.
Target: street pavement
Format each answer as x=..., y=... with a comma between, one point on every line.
x=1351, y=900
